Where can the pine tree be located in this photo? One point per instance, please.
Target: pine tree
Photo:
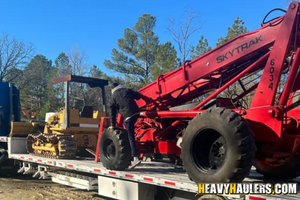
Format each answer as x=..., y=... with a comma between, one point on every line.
x=137, y=53
x=165, y=60
x=36, y=89
x=201, y=48
x=237, y=29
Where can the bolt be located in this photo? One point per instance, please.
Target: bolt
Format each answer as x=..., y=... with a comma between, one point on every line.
x=221, y=150
x=293, y=6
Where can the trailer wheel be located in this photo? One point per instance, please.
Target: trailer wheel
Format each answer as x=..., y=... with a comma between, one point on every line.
x=115, y=152
x=282, y=168
x=218, y=146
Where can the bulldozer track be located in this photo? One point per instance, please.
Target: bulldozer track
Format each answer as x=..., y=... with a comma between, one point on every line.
x=64, y=145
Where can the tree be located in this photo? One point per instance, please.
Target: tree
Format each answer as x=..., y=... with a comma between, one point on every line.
x=62, y=64
x=36, y=88
x=201, y=48
x=77, y=61
x=187, y=25
x=62, y=68
x=78, y=66
x=137, y=51
x=237, y=28
x=93, y=96
x=72, y=63
x=14, y=54
x=13, y=74
x=165, y=60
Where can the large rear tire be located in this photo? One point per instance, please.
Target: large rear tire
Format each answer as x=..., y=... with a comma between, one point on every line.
x=115, y=151
x=281, y=168
x=218, y=146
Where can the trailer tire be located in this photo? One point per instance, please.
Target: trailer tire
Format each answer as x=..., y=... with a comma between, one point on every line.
x=218, y=146
x=287, y=169
x=114, y=151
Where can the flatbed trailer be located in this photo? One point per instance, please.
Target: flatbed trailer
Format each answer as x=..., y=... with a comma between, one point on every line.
x=150, y=180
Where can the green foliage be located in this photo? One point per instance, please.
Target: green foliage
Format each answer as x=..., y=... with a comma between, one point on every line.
x=13, y=74
x=36, y=88
x=237, y=29
x=201, y=48
x=165, y=60
x=93, y=96
x=62, y=68
x=42, y=113
x=139, y=60
x=136, y=57
x=74, y=64
x=62, y=65
x=235, y=89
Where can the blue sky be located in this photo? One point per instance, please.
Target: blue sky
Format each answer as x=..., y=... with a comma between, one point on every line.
x=55, y=26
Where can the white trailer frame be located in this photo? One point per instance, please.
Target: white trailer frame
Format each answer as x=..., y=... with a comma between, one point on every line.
x=143, y=182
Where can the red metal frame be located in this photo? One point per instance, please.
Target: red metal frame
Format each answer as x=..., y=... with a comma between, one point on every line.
x=101, y=128
x=272, y=117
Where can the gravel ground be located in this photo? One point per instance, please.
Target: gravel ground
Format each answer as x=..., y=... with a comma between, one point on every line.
x=24, y=187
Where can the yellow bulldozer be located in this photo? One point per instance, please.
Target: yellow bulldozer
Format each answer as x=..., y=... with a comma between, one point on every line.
x=70, y=130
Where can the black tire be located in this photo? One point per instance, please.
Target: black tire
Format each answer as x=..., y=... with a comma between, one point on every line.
x=218, y=146
x=115, y=151
x=282, y=168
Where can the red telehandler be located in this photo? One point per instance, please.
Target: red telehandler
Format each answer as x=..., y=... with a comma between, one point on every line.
x=219, y=137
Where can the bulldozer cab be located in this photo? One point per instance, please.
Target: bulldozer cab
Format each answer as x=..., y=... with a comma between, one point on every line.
x=80, y=115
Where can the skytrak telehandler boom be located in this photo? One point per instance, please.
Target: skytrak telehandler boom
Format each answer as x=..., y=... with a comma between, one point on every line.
x=222, y=136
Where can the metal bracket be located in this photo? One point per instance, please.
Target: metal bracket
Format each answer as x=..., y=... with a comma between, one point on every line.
x=75, y=180
x=42, y=173
x=27, y=168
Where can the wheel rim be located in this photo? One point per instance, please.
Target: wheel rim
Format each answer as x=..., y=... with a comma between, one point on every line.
x=217, y=152
x=109, y=149
x=208, y=150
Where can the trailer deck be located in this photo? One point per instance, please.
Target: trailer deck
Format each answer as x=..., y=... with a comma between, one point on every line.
x=161, y=174
x=154, y=173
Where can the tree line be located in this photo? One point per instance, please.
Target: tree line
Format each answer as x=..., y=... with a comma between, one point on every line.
x=139, y=59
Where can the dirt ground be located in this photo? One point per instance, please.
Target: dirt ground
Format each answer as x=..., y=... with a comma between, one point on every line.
x=23, y=187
